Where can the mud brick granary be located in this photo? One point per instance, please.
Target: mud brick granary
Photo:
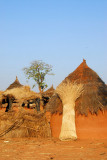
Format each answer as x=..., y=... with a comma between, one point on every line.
x=90, y=107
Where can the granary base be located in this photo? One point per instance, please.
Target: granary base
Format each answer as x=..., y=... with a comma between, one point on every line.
x=90, y=127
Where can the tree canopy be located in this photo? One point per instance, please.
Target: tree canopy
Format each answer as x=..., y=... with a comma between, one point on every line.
x=38, y=71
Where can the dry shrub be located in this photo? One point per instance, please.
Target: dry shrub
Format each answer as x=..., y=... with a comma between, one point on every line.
x=24, y=124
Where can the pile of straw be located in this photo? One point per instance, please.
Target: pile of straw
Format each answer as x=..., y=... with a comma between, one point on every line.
x=24, y=124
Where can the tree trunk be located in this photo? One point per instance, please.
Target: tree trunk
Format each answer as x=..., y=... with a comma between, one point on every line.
x=68, y=129
x=37, y=104
x=40, y=89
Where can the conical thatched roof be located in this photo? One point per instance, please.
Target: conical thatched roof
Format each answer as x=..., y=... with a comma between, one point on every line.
x=83, y=74
x=19, y=92
x=93, y=98
x=15, y=84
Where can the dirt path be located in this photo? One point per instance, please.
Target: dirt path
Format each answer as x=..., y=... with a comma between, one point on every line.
x=34, y=149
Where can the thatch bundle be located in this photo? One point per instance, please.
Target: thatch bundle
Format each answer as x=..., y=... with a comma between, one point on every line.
x=68, y=93
x=24, y=124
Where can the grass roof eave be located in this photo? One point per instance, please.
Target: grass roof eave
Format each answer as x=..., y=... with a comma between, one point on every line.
x=22, y=93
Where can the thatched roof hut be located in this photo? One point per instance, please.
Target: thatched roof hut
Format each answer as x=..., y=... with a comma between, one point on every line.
x=93, y=98
x=90, y=107
x=15, y=84
x=22, y=122
x=19, y=92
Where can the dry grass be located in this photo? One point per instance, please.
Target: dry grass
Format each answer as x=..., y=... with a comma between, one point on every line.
x=24, y=124
x=69, y=92
x=1, y=92
x=21, y=94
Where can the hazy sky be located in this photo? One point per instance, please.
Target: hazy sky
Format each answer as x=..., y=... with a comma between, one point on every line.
x=58, y=32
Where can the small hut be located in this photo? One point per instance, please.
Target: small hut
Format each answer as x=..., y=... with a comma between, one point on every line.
x=17, y=93
x=15, y=84
x=21, y=122
x=90, y=107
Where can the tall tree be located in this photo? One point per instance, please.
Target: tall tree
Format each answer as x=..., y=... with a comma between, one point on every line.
x=38, y=71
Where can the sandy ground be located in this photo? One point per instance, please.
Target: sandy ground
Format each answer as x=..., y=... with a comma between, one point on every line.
x=45, y=149
x=48, y=149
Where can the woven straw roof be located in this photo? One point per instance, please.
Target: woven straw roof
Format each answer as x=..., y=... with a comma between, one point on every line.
x=15, y=84
x=49, y=92
x=94, y=97
x=21, y=94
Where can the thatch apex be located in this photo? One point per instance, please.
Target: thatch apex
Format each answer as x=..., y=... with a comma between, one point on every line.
x=83, y=74
x=15, y=84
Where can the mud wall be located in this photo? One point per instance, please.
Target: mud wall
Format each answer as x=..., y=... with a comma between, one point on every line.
x=90, y=127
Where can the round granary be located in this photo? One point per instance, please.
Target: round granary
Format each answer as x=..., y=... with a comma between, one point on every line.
x=90, y=107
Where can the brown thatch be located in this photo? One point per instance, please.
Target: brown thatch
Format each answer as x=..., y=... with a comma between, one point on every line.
x=49, y=92
x=21, y=94
x=15, y=84
x=1, y=92
x=47, y=95
x=24, y=124
x=93, y=98
x=55, y=104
